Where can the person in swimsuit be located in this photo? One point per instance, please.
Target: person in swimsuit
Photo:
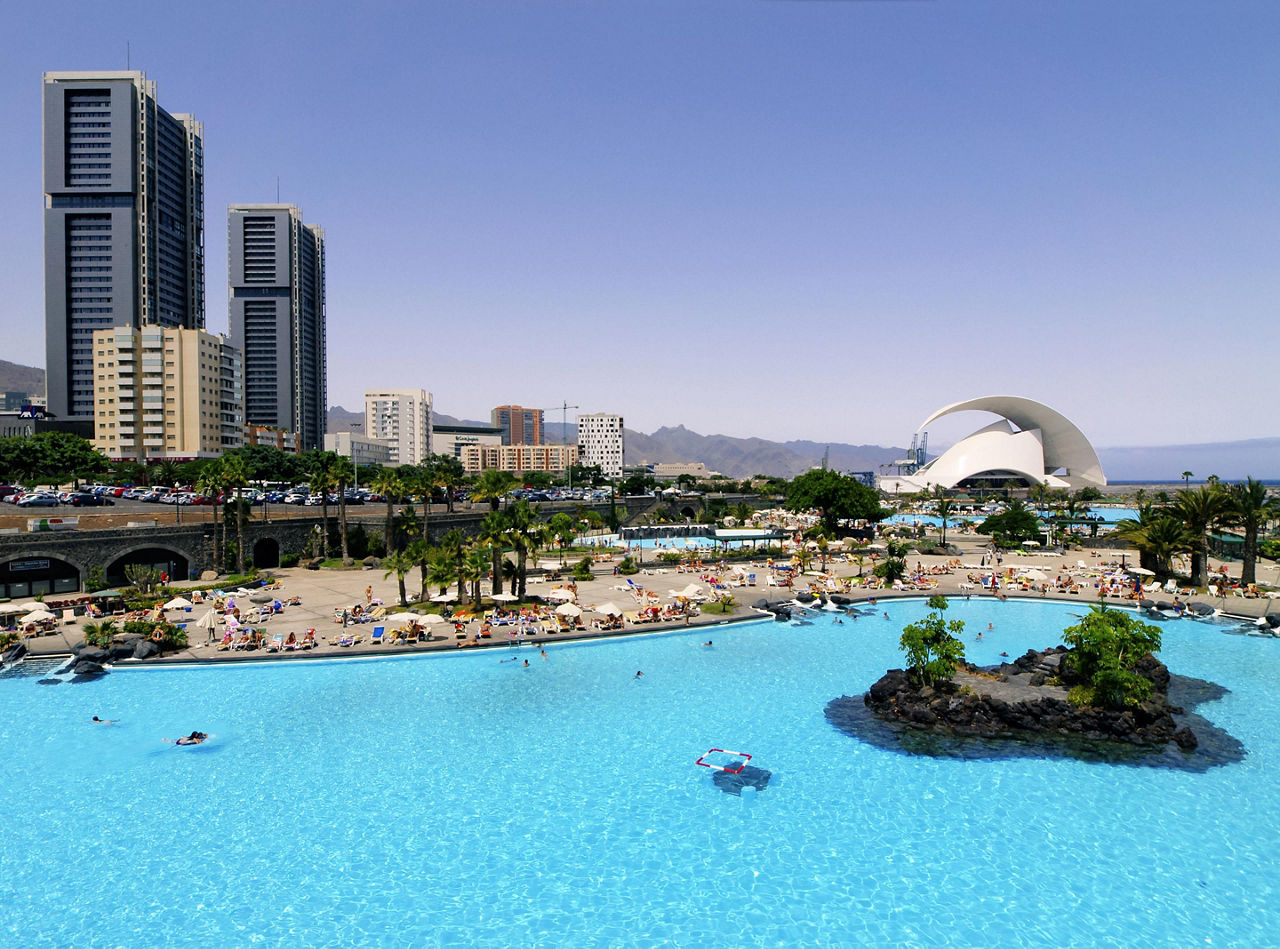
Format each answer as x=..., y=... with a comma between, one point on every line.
x=194, y=738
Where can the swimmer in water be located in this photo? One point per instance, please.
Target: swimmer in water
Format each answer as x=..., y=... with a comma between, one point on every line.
x=194, y=738
x=526, y=664
x=639, y=674
x=707, y=643
x=1005, y=654
x=886, y=615
x=104, y=721
x=544, y=653
x=991, y=626
x=979, y=637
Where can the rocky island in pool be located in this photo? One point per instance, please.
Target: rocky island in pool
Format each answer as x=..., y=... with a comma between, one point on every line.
x=1106, y=698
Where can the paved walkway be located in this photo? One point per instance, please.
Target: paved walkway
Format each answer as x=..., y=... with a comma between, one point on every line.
x=324, y=592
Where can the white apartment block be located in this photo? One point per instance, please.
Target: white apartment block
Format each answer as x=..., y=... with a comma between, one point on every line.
x=600, y=442
x=401, y=417
x=165, y=393
x=361, y=449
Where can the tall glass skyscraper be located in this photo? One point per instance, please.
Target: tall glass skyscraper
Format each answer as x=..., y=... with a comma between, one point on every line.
x=124, y=221
x=275, y=274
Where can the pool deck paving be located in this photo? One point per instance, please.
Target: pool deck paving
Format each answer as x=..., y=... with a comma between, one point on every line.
x=325, y=593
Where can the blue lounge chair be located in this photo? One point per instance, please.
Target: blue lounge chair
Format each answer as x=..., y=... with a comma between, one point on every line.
x=378, y=634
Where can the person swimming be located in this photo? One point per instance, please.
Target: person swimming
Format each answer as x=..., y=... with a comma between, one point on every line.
x=526, y=664
x=194, y=738
x=707, y=643
x=639, y=674
x=104, y=721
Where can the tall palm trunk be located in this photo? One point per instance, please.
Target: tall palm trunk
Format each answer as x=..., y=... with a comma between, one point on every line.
x=217, y=548
x=239, y=533
x=342, y=523
x=324, y=520
x=390, y=524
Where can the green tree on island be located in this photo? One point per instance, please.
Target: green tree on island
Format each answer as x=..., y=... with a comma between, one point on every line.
x=835, y=497
x=1107, y=645
x=933, y=647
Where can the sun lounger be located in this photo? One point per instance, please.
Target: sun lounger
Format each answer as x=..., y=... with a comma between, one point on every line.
x=379, y=632
x=277, y=643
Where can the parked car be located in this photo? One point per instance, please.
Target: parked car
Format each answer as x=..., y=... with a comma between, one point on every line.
x=90, y=500
x=38, y=500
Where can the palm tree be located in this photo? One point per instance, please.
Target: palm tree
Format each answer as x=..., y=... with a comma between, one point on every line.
x=235, y=477
x=419, y=553
x=453, y=546
x=1200, y=509
x=474, y=566
x=564, y=530
x=493, y=486
x=945, y=508
x=321, y=476
x=1166, y=537
x=399, y=563
x=210, y=484
x=341, y=472
x=388, y=483
x=525, y=534
x=493, y=531
x=1186, y=479
x=422, y=480
x=448, y=472
x=441, y=569
x=1249, y=508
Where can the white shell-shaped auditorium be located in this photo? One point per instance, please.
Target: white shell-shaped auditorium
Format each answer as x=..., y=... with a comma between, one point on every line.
x=1030, y=441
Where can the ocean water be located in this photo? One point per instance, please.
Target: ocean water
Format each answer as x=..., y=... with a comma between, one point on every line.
x=464, y=800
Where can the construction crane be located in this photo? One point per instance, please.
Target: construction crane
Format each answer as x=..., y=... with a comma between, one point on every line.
x=564, y=408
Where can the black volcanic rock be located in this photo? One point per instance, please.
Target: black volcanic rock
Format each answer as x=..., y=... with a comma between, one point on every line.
x=1021, y=708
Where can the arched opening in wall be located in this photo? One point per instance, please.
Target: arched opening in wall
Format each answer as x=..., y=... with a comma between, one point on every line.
x=688, y=512
x=163, y=559
x=266, y=553
x=28, y=576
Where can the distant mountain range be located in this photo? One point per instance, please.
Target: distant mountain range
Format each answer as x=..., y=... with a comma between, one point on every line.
x=17, y=378
x=744, y=457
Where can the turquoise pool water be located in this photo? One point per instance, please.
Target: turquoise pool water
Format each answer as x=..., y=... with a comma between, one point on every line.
x=459, y=800
x=1107, y=515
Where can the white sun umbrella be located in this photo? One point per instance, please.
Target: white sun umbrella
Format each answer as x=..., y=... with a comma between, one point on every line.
x=560, y=593
x=402, y=617
x=1141, y=571
x=208, y=621
x=1036, y=575
x=36, y=616
x=609, y=609
x=444, y=598
x=431, y=619
x=178, y=603
x=691, y=590
x=24, y=607
x=504, y=597
x=568, y=609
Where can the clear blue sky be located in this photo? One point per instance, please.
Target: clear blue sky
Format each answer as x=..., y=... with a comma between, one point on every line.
x=784, y=218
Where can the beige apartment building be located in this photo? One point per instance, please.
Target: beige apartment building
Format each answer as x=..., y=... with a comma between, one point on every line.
x=166, y=394
x=477, y=458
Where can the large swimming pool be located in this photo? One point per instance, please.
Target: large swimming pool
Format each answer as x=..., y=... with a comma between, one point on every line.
x=461, y=800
